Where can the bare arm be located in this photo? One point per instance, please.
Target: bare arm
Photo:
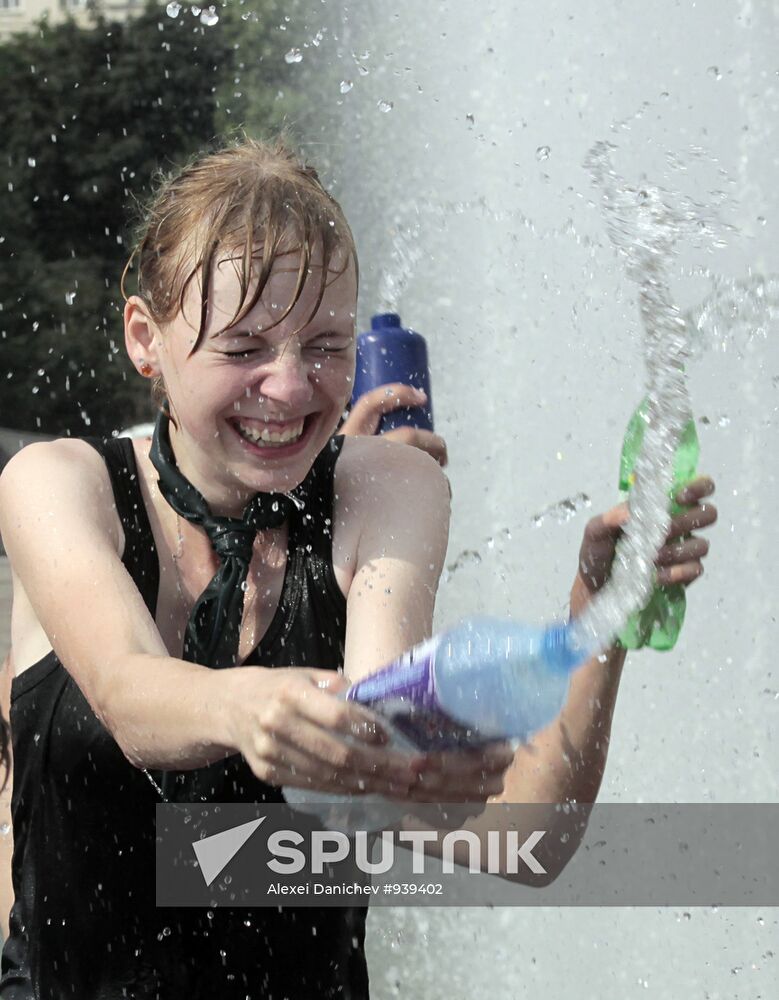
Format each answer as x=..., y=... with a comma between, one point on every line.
x=6, y=828
x=565, y=761
x=62, y=536
x=401, y=499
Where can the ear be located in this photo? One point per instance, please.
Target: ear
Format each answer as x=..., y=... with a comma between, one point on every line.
x=141, y=335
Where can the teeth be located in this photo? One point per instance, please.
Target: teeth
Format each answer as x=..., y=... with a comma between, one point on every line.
x=291, y=433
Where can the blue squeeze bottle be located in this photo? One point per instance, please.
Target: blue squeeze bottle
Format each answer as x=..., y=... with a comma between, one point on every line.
x=390, y=353
x=486, y=679
x=482, y=681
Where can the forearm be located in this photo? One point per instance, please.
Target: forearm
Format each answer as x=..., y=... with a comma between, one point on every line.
x=565, y=761
x=167, y=713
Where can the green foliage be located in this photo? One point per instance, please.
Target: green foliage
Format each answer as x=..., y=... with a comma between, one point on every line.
x=95, y=112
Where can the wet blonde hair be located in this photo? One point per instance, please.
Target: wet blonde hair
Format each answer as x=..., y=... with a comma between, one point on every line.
x=258, y=199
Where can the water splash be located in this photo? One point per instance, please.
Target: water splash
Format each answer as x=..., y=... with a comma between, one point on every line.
x=562, y=511
x=404, y=256
x=559, y=512
x=646, y=225
x=737, y=312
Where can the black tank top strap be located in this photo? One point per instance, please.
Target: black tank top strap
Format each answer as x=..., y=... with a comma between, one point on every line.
x=314, y=523
x=140, y=552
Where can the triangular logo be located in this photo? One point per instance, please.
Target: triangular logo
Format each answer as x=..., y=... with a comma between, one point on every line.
x=213, y=853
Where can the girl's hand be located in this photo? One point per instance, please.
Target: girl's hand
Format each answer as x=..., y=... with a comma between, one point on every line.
x=363, y=421
x=462, y=775
x=293, y=731
x=679, y=561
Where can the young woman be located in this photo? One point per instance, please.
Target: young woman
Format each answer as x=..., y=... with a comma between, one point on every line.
x=182, y=607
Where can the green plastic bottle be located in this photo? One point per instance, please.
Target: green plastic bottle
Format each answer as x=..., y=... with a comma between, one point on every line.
x=659, y=623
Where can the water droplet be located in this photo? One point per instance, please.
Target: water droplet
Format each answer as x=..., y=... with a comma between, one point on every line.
x=195, y=11
x=362, y=70
x=563, y=510
x=250, y=16
x=209, y=17
x=5, y=829
x=30, y=161
x=346, y=86
x=761, y=219
x=70, y=298
x=714, y=71
x=385, y=106
x=293, y=56
x=173, y=9
x=724, y=421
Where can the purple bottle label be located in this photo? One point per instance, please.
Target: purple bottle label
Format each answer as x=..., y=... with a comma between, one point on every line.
x=405, y=693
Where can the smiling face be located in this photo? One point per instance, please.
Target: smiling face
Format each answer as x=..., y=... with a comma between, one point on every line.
x=258, y=400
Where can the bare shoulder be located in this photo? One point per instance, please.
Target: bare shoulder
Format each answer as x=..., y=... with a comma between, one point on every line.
x=66, y=478
x=57, y=510
x=373, y=467
x=389, y=498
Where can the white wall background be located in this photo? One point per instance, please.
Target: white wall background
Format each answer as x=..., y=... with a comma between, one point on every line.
x=536, y=357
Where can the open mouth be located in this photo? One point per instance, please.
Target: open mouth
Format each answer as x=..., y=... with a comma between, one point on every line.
x=275, y=437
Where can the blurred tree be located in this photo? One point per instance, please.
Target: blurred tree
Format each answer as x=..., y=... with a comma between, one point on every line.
x=94, y=112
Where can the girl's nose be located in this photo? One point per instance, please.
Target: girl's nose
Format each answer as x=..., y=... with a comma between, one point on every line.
x=287, y=380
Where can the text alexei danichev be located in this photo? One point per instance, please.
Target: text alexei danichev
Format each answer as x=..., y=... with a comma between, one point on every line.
x=317, y=889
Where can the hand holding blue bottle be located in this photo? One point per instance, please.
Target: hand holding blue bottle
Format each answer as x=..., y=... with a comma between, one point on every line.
x=367, y=411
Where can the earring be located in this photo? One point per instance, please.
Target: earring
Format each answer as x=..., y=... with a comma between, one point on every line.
x=145, y=369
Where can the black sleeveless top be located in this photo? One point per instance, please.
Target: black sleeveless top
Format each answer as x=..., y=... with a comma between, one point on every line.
x=84, y=923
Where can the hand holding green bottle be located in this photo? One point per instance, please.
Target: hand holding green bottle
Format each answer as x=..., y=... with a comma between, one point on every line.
x=658, y=624
x=679, y=561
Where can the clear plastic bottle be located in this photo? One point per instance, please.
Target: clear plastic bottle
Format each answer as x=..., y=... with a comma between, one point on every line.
x=483, y=680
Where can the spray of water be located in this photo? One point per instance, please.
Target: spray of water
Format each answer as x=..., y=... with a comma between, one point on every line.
x=646, y=225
